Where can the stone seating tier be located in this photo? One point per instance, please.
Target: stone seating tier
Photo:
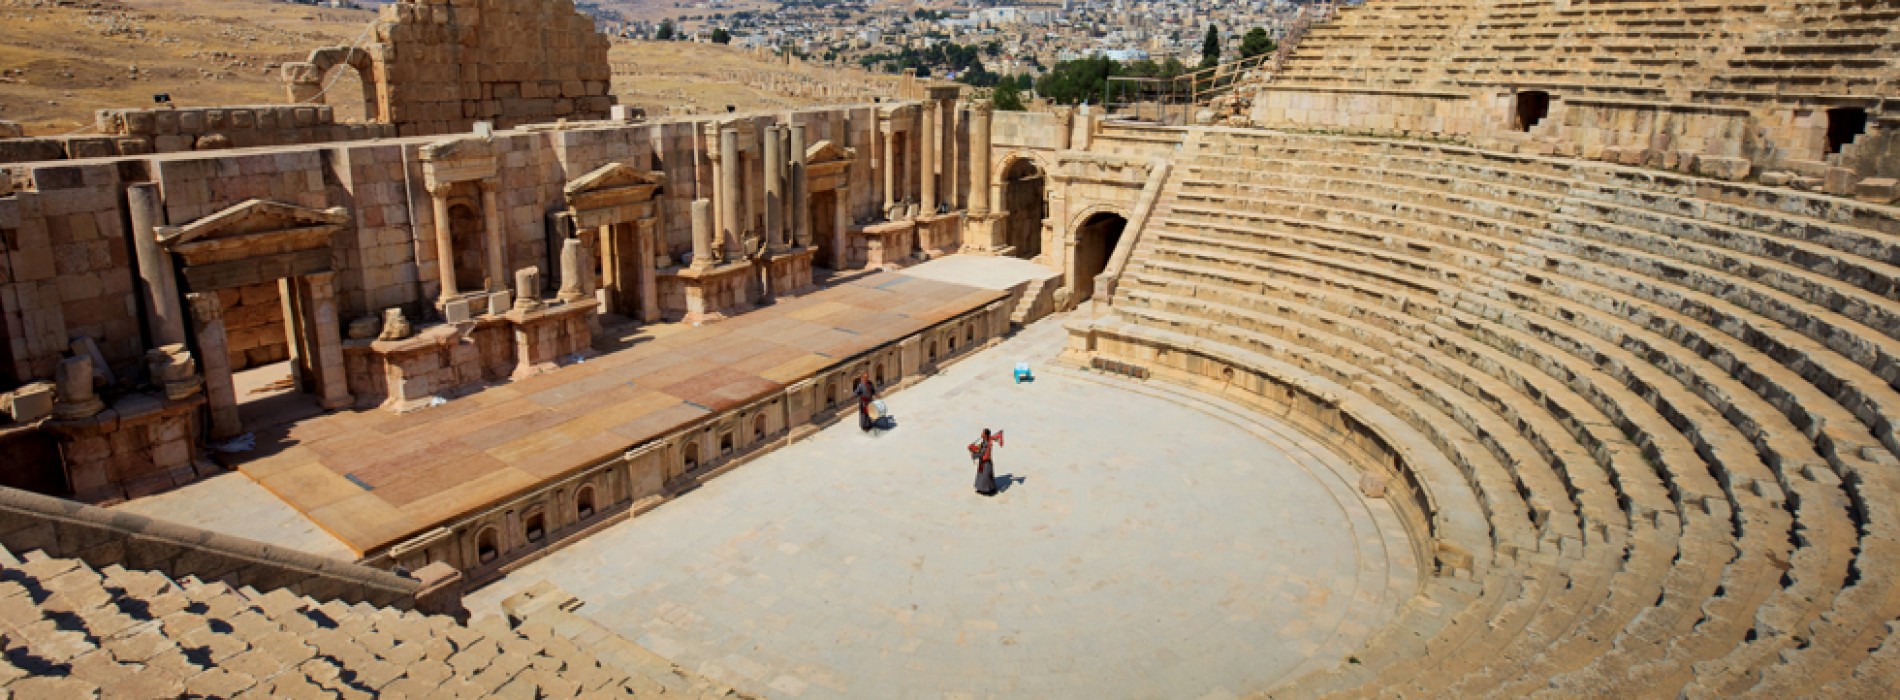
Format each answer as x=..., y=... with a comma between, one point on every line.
x=1774, y=46
x=75, y=631
x=1668, y=394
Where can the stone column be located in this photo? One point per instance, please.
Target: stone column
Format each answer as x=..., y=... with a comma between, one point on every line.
x=801, y=193
x=492, y=230
x=72, y=390
x=207, y=315
x=774, y=190
x=947, y=155
x=326, y=338
x=573, y=268
x=890, y=165
x=914, y=145
x=645, y=245
x=702, y=235
x=444, y=243
x=927, y=143
x=730, y=218
x=980, y=159
x=155, y=266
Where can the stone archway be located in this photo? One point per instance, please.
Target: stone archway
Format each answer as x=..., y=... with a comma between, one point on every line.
x=1094, y=239
x=1025, y=201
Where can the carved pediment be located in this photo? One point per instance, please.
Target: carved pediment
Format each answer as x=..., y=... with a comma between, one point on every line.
x=251, y=221
x=828, y=151
x=613, y=184
x=613, y=175
x=277, y=240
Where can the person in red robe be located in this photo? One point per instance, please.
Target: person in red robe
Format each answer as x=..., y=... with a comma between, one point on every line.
x=981, y=451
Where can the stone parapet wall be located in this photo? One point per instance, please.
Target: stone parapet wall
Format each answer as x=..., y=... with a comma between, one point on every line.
x=134, y=132
x=102, y=538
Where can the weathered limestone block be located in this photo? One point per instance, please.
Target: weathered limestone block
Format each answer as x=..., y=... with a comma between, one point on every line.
x=395, y=326
x=31, y=402
x=1880, y=190
x=1840, y=181
x=1722, y=167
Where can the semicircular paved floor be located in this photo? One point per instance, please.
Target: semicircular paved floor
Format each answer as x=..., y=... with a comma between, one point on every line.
x=1150, y=549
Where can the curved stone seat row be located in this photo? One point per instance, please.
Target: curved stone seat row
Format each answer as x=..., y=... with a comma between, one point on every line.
x=1644, y=50
x=71, y=631
x=1671, y=397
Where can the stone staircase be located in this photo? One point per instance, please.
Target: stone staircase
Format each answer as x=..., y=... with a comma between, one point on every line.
x=69, y=630
x=1668, y=397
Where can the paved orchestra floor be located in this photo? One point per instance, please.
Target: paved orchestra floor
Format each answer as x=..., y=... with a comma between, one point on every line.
x=1147, y=545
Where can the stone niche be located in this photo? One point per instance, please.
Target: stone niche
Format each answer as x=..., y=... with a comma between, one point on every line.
x=616, y=207
x=253, y=243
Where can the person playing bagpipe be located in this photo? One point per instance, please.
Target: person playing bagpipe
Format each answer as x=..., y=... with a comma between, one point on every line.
x=866, y=393
x=980, y=452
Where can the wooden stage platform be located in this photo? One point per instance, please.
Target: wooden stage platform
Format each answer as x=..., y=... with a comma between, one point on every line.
x=373, y=478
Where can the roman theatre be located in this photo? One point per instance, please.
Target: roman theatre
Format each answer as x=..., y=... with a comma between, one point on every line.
x=1462, y=349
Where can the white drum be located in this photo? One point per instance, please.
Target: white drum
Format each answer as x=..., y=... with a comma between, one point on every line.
x=878, y=408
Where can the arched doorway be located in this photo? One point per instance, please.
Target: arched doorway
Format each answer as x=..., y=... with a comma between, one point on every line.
x=1025, y=197
x=350, y=98
x=465, y=233
x=1095, y=242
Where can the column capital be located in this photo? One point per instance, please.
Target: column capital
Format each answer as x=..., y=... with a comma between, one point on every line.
x=983, y=107
x=440, y=190
x=490, y=184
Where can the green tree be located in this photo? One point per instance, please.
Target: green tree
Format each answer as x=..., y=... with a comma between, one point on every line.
x=721, y=36
x=1083, y=79
x=1172, y=67
x=1210, y=48
x=666, y=31
x=1256, y=43
x=1007, y=97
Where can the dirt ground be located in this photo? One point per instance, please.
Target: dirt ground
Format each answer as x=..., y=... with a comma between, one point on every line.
x=59, y=63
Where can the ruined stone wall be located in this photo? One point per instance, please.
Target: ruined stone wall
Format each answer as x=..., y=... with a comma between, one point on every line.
x=439, y=66
x=65, y=271
x=67, y=267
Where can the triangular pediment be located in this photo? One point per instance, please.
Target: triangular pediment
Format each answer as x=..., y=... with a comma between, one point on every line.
x=827, y=151
x=252, y=219
x=613, y=176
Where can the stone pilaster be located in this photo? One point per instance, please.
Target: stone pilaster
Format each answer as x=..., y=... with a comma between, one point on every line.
x=493, y=234
x=326, y=337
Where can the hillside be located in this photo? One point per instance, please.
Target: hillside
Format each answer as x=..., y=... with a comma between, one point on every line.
x=59, y=62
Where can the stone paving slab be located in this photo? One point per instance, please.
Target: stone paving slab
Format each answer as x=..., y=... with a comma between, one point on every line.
x=371, y=479
x=1145, y=546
